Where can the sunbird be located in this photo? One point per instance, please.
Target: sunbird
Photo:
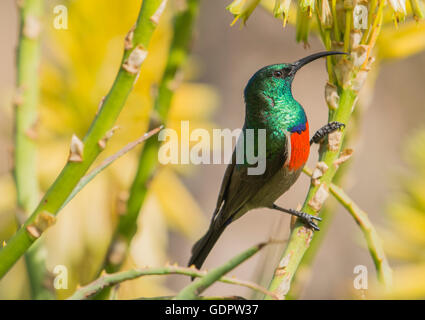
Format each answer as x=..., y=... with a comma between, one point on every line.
x=269, y=105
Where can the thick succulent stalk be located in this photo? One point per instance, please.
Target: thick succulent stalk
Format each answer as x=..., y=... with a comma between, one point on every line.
x=83, y=153
x=148, y=160
x=112, y=279
x=327, y=213
x=373, y=241
x=346, y=76
x=301, y=236
x=193, y=290
x=26, y=117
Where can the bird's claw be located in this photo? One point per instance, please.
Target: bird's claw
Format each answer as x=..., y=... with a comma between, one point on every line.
x=308, y=220
x=325, y=130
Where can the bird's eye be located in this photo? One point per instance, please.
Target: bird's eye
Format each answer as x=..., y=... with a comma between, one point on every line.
x=278, y=74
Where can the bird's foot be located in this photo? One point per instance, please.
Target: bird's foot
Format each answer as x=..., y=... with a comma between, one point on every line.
x=306, y=218
x=325, y=130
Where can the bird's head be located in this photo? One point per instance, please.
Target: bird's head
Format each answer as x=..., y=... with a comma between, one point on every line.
x=274, y=81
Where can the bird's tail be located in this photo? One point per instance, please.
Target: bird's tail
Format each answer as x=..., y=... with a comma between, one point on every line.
x=203, y=246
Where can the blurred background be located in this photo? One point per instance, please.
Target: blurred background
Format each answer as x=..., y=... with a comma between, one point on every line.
x=78, y=67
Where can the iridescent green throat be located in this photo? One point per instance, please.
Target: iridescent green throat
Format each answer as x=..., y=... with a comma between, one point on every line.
x=271, y=106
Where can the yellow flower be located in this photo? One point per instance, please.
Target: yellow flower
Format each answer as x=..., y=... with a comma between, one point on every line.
x=399, y=9
x=307, y=6
x=242, y=9
x=405, y=41
x=281, y=9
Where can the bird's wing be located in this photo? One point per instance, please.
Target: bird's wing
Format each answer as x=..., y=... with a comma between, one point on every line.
x=238, y=187
x=225, y=184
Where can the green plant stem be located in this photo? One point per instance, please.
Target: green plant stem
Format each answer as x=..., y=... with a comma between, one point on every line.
x=347, y=33
x=148, y=160
x=26, y=103
x=372, y=8
x=371, y=15
x=367, y=35
x=304, y=269
x=335, y=21
x=327, y=213
x=193, y=290
x=107, y=162
x=301, y=236
x=373, y=241
x=112, y=279
x=71, y=174
x=26, y=114
x=326, y=37
x=304, y=272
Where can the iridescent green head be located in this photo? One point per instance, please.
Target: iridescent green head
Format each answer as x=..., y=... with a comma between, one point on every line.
x=275, y=80
x=269, y=82
x=268, y=93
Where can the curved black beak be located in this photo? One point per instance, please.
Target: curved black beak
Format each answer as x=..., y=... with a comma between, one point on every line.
x=302, y=62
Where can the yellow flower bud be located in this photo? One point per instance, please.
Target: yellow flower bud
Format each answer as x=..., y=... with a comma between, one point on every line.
x=418, y=9
x=326, y=15
x=242, y=9
x=307, y=6
x=281, y=9
x=399, y=8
